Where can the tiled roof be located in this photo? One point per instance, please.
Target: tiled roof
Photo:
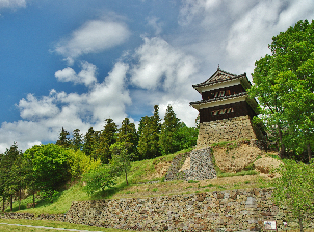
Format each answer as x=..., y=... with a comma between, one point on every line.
x=220, y=76
x=219, y=98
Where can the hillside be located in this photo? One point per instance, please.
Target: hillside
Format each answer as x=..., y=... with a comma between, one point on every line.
x=146, y=179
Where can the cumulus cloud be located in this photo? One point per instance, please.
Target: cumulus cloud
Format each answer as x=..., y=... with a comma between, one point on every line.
x=12, y=3
x=161, y=66
x=86, y=76
x=33, y=109
x=94, y=36
x=164, y=75
x=44, y=116
x=235, y=33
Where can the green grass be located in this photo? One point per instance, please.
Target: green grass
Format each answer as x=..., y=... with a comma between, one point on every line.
x=242, y=173
x=141, y=172
x=60, y=205
x=47, y=223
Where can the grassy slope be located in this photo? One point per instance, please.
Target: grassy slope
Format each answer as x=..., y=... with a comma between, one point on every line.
x=141, y=172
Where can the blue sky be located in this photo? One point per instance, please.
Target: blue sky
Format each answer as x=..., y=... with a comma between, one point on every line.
x=74, y=63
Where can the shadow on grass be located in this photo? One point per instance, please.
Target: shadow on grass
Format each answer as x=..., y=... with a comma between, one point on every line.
x=39, y=202
x=107, y=193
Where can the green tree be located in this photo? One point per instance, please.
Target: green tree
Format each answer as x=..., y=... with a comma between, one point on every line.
x=80, y=163
x=49, y=161
x=99, y=178
x=77, y=140
x=107, y=138
x=169, y=129
x=295, y=189
x=186, y=137
x=283, y=84
x=149, y=131
x=121, y=158
x=12, y=172
x=64, y=139
x=90, y=141
x=127, y=134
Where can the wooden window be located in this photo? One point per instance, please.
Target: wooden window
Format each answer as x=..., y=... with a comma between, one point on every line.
x=215, y=112
x=228, y=92
x=222, y=93
x=216, y=94
x=230, y=110
x=222, y=111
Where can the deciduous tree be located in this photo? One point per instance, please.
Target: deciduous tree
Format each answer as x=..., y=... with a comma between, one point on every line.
x=50, y=167
x=121, y=158
x=295, y=189
x=284, y=84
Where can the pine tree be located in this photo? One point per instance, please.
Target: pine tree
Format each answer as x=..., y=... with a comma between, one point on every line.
x=77, y=141
x=64, y=140
x=12, y=172
x=169, y=129
x=149, y=130
x=89, y=142
x=107, y=138
x=127, y=134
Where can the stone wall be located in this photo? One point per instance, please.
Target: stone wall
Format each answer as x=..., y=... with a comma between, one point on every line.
x=226, y=130
x=195, y=165
x=232, y=210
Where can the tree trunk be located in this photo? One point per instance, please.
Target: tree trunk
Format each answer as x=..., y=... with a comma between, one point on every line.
x=3, y=203
x=34, y=199
x=10, y=203
x=309, y=152
x=282, y=148
x=126, y=177
x=301, y=224
x=20, y=199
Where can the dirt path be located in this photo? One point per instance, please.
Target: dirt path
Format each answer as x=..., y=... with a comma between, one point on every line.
x=47, y=228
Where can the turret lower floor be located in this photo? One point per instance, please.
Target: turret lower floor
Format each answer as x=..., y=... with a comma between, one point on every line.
x=238, y=128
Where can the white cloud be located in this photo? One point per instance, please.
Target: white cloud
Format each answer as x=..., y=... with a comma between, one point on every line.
x=161, y=66
x=235, y=33
x=182, y=109
x=33, y=109
x=94, y=36
x=12, y=3
x=164, y=75
x=43, y=117
x=87, y=76
x=155, y=24
x=110, y=98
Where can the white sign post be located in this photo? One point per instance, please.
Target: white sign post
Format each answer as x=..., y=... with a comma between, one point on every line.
x=270, y=225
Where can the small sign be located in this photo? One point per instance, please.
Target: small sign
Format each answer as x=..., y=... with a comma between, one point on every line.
x=270, y=225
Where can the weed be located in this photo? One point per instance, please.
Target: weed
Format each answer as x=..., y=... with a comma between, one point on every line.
x=189, y=187
x=247, y=182
x=207, y=186
x=193, y=181
x=251, y=166
x=155, y=190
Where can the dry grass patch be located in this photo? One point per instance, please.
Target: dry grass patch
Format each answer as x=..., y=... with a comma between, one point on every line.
x=185, y=187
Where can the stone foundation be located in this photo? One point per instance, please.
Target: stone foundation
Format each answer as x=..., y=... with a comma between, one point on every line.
x=231, y=210
x=226, y=130
x=195, y=165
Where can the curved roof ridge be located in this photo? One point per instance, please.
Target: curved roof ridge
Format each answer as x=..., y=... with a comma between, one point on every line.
x=219, y=76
